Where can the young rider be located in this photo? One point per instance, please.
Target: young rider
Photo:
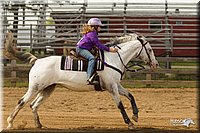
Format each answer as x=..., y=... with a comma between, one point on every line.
x=87, y=42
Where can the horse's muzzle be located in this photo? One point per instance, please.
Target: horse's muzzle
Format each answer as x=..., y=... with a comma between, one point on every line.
x=154, y=65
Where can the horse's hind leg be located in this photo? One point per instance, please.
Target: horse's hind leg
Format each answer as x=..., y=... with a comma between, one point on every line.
x=124, y=92
x=38, y=101
x=29, y=94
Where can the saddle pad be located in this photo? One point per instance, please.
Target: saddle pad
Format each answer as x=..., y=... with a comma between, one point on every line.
x=69, y=63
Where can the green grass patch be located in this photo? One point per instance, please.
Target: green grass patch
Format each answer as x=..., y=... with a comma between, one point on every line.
x=7, y=83
x=156, y=84
x=129, y=84
x=180, y=63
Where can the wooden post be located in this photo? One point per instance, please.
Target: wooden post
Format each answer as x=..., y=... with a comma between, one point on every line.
x=64, y=51
x=13, y=73
x=148, y=78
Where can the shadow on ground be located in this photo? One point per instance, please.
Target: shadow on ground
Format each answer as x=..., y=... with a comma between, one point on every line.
x=86, y=130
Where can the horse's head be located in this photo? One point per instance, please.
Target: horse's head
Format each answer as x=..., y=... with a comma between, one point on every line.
x=146, y=53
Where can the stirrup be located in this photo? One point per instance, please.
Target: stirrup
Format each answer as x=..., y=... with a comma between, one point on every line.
x=92, y=77
x=91, y=80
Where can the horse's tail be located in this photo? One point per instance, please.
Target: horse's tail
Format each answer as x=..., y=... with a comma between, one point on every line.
x=11, y=52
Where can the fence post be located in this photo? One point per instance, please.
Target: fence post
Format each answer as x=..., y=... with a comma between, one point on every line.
x=124, y=18
x=148, y=78
x=65, y=50
x=167, y=41
x=31, y=38
x=13, y=73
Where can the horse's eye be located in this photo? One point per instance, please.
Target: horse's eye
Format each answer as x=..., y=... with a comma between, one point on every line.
x=150, y=50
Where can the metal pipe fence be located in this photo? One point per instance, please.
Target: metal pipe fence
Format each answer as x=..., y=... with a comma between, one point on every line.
x=169, y=27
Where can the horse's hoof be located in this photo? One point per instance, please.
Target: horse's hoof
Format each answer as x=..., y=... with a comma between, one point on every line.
x=41, y=127
x=9, y=120
x=135, y=118
x=10, y=123
x=9, y=127
x=130, y=125
x=44, y=127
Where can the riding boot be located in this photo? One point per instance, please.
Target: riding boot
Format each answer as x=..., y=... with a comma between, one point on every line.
x=91, y=80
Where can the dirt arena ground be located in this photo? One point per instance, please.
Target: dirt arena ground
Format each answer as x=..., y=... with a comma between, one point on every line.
x=67, y=110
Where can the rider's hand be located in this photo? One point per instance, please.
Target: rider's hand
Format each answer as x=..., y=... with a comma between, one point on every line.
x=112, y=49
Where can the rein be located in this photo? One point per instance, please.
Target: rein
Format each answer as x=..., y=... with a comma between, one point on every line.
x=127, y=68
x=141, y=67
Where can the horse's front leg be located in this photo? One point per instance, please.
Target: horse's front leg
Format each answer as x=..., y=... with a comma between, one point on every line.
x=115, y=93
x=126, y=93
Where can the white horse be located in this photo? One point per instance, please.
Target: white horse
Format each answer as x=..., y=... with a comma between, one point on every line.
x=45, y=74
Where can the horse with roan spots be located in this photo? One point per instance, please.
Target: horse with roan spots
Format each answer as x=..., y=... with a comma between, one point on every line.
x=45, y=74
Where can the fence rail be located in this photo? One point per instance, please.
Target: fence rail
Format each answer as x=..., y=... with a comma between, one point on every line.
x=14, y=69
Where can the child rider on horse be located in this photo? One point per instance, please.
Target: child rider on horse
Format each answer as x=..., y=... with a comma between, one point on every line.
x=87, y=42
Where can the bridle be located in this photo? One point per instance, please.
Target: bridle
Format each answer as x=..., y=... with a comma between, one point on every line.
x=127, y=68
x=143, y=46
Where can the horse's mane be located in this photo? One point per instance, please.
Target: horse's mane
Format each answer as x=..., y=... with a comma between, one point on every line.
x=126, y=38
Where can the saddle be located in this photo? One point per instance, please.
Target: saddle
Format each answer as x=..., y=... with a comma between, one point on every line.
x=74, y=62
x=73, y=54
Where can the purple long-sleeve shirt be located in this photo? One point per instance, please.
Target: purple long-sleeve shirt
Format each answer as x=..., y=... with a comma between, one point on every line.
x=89, y=40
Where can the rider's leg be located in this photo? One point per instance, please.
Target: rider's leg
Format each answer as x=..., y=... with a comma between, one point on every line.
x=91, y=62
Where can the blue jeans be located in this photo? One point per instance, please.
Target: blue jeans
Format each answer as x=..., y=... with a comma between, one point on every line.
x=91, y=60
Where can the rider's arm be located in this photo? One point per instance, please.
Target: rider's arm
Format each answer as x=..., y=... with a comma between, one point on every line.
x=94, y=39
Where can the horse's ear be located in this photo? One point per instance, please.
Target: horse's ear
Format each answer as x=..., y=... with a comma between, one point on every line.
x=115, y=42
